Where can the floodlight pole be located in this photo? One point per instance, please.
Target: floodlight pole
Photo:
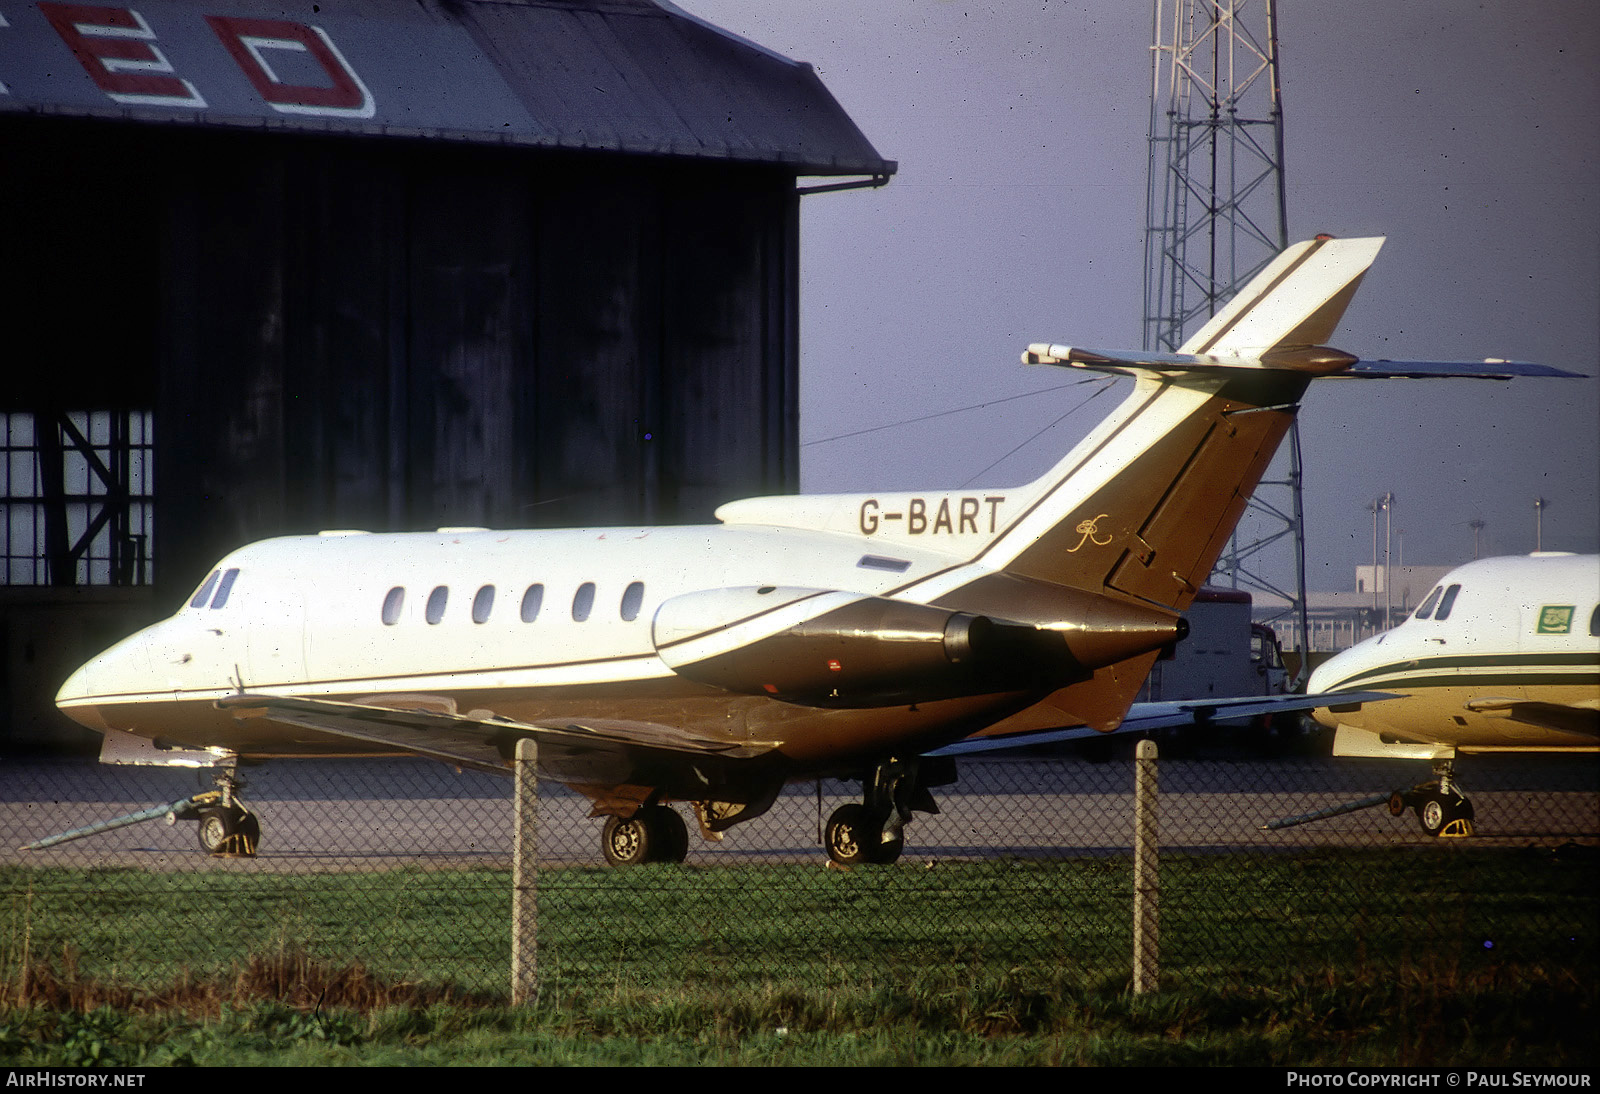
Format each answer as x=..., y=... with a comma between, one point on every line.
x=1388, y=561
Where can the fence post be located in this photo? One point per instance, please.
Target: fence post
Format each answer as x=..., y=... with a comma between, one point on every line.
x=1146, y=874
x=525, y=878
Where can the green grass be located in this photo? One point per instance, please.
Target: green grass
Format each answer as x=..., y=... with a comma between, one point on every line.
x=1392, y=957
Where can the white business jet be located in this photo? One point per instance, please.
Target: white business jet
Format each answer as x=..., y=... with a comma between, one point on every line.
x=843, y=635
x=1502, y=656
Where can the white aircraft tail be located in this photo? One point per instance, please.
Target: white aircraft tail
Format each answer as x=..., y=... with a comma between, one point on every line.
x=1142, y=508
x=1144, y=505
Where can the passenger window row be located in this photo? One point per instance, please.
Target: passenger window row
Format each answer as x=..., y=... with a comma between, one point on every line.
x=532, y=602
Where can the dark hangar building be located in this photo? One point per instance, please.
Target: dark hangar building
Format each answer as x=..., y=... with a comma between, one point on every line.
x=381, y=264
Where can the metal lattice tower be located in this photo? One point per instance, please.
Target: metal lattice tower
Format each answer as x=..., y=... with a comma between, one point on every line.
x=1215, y=216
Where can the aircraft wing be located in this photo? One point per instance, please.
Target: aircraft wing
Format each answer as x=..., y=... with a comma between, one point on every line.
x=1176, y=714
x=486, y=743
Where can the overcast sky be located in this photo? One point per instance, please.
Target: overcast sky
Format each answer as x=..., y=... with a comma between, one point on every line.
x=1468, y=135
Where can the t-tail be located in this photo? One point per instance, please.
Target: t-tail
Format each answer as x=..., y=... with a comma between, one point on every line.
x=1139, y=512
x=1144, y=506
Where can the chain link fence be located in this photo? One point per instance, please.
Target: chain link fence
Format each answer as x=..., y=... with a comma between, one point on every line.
x=402, y=869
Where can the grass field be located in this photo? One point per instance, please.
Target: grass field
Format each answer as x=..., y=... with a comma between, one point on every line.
x=1332, y=957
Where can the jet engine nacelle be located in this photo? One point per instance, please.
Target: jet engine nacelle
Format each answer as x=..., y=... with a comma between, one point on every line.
x=826, y=648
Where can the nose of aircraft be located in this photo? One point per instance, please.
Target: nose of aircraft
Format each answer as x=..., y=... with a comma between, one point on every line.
x=75, y=699
x=121, y=670
x=1323, y=677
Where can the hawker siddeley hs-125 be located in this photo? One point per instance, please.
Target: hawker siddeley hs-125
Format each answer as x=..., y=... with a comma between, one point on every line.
x=867, y=637
x=1502, y=656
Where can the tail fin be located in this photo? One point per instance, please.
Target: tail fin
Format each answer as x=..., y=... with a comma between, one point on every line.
x=1142, y=508
x=1145, y=504
x=1296, y=301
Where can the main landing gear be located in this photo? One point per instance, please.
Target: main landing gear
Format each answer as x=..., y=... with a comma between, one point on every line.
x=873, y=831
x=1442, y=810
x=227, y=828
x=656, y=833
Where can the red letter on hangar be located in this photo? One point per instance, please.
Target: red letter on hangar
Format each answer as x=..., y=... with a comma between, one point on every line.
x=255, y=43
x=114, y=47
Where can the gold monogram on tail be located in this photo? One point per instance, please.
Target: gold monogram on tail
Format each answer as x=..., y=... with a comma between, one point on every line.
x=1091, y=534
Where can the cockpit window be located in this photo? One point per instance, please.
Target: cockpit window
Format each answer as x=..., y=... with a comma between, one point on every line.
x=204, y=594
x=1427, y=605
x=225, y=588
x=392, y=605
x=1594, y=621
x=1448, y=602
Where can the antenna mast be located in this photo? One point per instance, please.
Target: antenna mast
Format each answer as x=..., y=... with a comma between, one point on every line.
x=1215, y=215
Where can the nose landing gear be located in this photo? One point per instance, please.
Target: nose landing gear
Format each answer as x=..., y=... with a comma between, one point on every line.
x=227, y=828
x=1442, y=810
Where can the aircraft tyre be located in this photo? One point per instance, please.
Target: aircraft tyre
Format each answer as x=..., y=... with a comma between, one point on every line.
x=626, y=842
x=673, y=841
x=854, y=840
x=654, y=834
x=1443, y=814
x=229, y=831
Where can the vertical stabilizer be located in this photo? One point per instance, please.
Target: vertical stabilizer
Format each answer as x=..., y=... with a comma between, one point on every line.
x=1143, y=507
x=1296, y=301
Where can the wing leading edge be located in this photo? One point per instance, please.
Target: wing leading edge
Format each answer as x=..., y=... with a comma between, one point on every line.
x=485, y=743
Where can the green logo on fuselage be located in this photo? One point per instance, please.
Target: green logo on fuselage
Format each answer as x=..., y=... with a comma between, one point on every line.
x=1555, y=619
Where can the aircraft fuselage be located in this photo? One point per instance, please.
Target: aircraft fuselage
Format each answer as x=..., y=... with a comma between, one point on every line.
x=533, y=626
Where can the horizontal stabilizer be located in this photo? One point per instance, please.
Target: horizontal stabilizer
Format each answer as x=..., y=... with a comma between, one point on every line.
x=1313, y=359
x=1320, y=360
x=1471, y=370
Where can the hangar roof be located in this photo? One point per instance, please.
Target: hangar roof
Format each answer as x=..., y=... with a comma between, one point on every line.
x=632, y=76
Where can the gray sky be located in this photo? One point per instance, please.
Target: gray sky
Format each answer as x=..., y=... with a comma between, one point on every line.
x=1467, y=135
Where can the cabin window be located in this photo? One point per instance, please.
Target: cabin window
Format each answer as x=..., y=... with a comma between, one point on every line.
x=206, y=586
x=632, y=598
x=532, y=601
x=1447, y=603
x=392, y=605
x=225, y=588
x=483, y=604
x=436, y=602
x=1427, y=605
x=583, y=602
x=1594, y=621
